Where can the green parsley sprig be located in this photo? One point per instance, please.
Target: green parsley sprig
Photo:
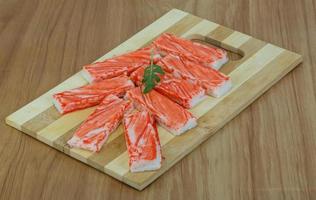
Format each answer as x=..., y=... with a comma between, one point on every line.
x=151, y=78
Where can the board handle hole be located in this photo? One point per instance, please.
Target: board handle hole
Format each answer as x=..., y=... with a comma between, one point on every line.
x=233, y=54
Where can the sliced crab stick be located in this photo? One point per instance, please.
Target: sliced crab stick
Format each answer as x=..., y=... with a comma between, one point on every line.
x=214, y=82
x=168, y=114
x=91, y=95
x=142, y=141
x=206, y=55
x=95, y=130
x=123, y=64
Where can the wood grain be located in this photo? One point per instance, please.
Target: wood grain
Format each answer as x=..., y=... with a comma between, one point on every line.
x=264, y=153
x=40, y=120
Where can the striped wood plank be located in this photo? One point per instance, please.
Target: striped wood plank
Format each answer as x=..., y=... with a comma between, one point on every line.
x=260, y=67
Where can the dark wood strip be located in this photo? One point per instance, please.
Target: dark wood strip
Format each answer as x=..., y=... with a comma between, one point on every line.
x=61, y=142
x=218, y=35
x=108, y=152
x=184, y=25
x=41, y=121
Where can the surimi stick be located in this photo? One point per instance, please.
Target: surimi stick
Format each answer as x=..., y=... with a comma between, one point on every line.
x=197, y=52
x=167, y=113
x=142, y=141
x=95, y=130
x=91, y=95
x=214, y=82
x=182, y=91
x=123, y=64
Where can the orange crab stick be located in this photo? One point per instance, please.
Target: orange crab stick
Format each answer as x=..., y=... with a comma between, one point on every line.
x=95, y=130
x=168, y=114
x=214, y=82
x=91, y=95
x=197, y=52
x=142, y=141
x=123, y=64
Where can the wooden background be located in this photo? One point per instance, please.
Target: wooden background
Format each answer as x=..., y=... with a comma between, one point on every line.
x=267, y=152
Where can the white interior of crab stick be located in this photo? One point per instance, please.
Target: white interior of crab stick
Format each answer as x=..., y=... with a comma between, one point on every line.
x=219, y=63
x=222, y=89
x=147, y=165
x=191, y=123
x=197, y=99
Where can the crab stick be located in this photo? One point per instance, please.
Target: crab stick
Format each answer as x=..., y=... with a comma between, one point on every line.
x=95, y=130
x=142, y=141
x=168, y=114
x=123, y=64
x=206, y=55
x=91, y=95
x=214, y=82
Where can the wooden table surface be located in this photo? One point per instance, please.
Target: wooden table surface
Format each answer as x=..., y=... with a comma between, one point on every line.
x=266, y=152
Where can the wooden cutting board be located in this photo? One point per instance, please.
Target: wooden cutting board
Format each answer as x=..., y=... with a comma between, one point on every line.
x=262, y=64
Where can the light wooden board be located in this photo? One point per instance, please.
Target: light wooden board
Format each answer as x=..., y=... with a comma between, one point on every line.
x=260, y=67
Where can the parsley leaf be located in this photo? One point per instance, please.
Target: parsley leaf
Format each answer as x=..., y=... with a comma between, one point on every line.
x=151, y=77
